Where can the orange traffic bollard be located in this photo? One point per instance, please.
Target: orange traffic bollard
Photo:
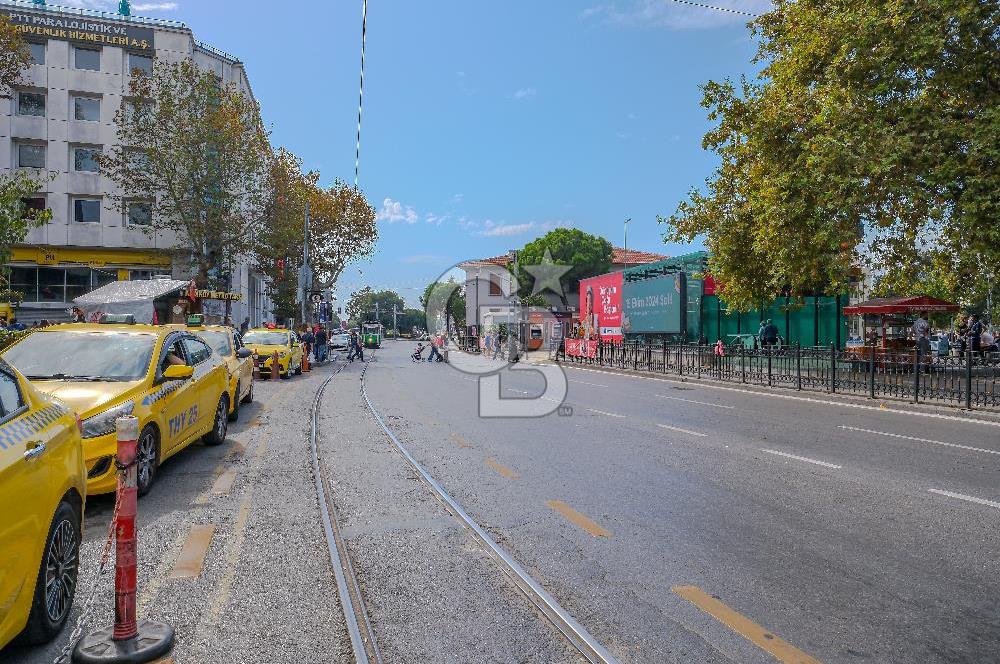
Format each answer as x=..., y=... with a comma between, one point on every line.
x=127, y=641
x=275, y=367
x=305, y=361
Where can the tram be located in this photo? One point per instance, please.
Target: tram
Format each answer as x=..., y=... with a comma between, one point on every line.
x=372, y=334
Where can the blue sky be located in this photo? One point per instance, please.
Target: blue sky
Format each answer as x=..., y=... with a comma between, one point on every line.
x=485, y=124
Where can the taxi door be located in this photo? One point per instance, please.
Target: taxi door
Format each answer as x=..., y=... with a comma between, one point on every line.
x=176, y=399
x=206, y=397
x=26, y=478
x=245, y=368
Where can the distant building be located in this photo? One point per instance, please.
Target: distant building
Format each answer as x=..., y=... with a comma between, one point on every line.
x=59, y=120
x=488, y=283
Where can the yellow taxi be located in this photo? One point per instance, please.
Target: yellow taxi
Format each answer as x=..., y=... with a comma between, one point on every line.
x=43, y=490
x=265, y=342
x=228, y=345
x=167, y=377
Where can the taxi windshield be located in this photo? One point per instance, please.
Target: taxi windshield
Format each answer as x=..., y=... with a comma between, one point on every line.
x=218, y=340
x=266, y=338
x=94, y=356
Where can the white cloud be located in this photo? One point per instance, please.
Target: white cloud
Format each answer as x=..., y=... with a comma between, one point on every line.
x=677, y=15
x=436, y=220
x=155, y=6
x=525, y=93
x=491, y=229
x=394, y=211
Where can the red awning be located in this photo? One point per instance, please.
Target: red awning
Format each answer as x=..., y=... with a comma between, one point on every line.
x=902, y=305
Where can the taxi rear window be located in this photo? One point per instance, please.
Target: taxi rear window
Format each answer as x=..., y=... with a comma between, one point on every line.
x=266, y=338
x=96, y=356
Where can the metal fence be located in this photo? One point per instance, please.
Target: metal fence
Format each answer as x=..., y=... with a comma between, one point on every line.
x=971, y=380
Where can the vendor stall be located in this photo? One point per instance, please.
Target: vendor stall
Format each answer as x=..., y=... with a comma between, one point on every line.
x=887, y=322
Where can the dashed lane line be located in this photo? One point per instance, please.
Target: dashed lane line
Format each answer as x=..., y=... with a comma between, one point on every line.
x=700, y=403
x=920, y=440
x=503, y=470
x=581, y=382
x=679, y=430
x=192, y=557
x=802, y=458
x=764, y=639
x=578, y=519
x=604, y=412
x=792, y=397
x=962, y=496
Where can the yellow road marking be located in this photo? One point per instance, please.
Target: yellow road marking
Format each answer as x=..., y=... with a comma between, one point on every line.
x=462, y=442
x=578, y=519
x=234, y=546
x=760, y=637
x=189, y=563
x=224, y=482
x=503, y=470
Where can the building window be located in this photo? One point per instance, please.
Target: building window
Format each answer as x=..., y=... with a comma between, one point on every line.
x=142, y=63
x=25, y=280
x=31, y=103
x=33, y=205
x=139, y=213
x=37, y=50
x=77, y=282
x=495, y=285
x=87, y=108
x=85, y=159
x=87, y=58
x=87, y=210
x=139, y=161
x=30, y=155
x=51, y=284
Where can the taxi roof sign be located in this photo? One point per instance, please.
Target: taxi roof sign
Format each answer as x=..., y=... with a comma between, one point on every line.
x=196, y=320
x=118, y=319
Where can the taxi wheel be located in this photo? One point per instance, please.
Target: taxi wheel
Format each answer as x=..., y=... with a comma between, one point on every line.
x=217, y=435
x=147, y=459
x=57, y=577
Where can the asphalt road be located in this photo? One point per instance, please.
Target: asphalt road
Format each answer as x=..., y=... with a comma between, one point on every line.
x=880, y=554
x=677, y=522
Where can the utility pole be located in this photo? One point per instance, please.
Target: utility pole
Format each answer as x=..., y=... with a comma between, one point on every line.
x=395, y=330
x=305, y=282
x=626, y=241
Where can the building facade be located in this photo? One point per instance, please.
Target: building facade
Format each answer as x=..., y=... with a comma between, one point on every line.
x=59, y=120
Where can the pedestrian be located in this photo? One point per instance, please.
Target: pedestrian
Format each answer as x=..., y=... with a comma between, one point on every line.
x=435, y=353
x=488, y=343
x=975, y=333
x=244, y=326
x=922, y=334
x=769, y=334
x=307, y=340
x=352, y=347
x=497, y=345
x=321, y=347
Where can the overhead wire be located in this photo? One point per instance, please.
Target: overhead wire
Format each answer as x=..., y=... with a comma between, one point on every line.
x=361, y=92
x=715, y=8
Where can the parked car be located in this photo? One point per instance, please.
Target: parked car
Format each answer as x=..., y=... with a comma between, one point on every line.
x=339, y=340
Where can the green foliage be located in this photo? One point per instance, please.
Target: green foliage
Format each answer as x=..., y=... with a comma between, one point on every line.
x=16, y=219
x=439, y=297
x=10, y=337
x=361, y=307
x=196, y=150
x=14, y=56
x=589, y=255
x=871, y=135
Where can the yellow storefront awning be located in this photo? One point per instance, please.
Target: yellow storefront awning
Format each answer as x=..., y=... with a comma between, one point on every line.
x=95, y=257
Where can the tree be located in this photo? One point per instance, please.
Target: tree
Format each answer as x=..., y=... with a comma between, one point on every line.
x=869, y=137
x=16, y=219
x=14, y=56
x=444, y=298
x=195, y=151
x=589, y=255
x=363, y=304
x=342, y=229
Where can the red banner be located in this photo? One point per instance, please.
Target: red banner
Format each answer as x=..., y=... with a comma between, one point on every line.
x=601, y=305
x=581, y=348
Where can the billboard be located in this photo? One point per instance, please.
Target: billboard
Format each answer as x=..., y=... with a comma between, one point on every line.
x=81, y=30
x=601, y=305
x=654, y=305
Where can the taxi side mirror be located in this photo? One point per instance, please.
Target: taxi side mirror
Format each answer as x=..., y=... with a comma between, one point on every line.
x=178, y=372
x=244, y=353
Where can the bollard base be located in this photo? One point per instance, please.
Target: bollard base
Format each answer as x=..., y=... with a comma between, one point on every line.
x=154, y=641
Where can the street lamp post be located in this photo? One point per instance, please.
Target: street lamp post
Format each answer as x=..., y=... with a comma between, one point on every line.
x=626, y=241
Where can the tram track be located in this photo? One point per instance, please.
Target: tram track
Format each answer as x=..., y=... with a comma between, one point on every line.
x=359, y=627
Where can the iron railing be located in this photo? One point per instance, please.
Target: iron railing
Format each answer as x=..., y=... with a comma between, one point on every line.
x=970, y=380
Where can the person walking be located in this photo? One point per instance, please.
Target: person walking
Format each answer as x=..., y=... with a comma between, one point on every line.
x=975, y=334
x=435, y=352
x=487, y=343
x=922, y=335
x=321, y=345
x=497, y=346
x=308, y=339
x=769, y=335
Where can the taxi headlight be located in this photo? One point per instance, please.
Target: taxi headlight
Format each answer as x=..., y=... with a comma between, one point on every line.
x=104, y=423
x=283, y=354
